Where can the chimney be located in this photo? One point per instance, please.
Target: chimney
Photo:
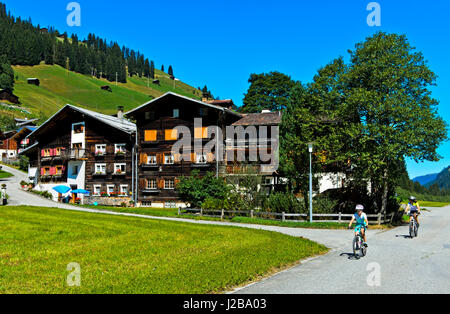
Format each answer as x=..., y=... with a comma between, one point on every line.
x=120, y=112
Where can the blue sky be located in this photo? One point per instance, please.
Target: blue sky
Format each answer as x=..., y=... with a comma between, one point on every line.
x=220, y=42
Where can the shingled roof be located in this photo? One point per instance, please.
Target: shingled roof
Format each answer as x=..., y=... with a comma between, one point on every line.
x=269, y=118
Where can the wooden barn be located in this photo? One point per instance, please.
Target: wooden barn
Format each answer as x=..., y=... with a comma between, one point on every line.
x=8, y=96
x=34, y=81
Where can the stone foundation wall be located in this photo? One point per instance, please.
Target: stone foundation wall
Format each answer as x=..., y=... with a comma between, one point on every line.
x=106, y=201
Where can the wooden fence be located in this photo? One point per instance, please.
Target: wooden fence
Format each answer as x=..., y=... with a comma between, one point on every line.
x=377, y=219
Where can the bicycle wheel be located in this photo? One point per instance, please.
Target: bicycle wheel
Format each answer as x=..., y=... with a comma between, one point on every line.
x=356, y=247
x=411, y=229
x=363, y=251
x=416, y=230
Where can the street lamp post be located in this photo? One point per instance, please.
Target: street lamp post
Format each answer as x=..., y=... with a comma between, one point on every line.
x=310, y=149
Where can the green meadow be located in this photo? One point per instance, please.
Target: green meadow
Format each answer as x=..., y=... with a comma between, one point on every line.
x=133, y=255
x=59, y=87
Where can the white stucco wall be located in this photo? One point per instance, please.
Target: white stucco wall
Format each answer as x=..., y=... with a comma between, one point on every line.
x=331, y=181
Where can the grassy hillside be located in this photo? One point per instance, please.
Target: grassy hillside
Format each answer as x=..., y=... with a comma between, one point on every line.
x=59, y=88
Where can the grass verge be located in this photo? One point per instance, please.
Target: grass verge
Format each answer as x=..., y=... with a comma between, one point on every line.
x=132, y=255
x=164, y=212
x=5, y=175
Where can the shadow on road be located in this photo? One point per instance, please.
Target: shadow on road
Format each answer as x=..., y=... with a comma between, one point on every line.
x=350, y=256
x=405, y=236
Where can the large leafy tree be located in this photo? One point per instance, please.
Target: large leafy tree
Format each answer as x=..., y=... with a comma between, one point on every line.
x=388, y=83
x=267, y=91
x=317, y=113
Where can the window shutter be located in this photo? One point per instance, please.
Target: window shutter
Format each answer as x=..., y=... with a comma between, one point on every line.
x=143, y=159
x=198, y=133
x=193, y=157
x=177, y=158
x=93, y=149
x=150, y=135
x=160, y=184
x=171, y=135
x=42, y=171
x=142, y=183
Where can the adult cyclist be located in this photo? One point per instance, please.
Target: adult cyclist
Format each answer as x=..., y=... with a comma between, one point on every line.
x=361, y=222
x=414, y=209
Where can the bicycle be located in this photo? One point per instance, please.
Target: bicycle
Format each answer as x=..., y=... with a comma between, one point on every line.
x=359, y=249
x=413, y=226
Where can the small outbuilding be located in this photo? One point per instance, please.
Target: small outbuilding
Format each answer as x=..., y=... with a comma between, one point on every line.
x=8, y=96
x=34, y=81
x=107, y=88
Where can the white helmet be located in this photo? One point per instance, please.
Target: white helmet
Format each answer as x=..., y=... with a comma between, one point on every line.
x=359, y=207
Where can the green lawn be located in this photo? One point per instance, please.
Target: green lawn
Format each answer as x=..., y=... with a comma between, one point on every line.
x=132, y=255
x=5, y=175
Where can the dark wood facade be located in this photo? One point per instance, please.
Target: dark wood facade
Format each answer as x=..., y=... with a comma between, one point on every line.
x=160, y=170
x=72, y=143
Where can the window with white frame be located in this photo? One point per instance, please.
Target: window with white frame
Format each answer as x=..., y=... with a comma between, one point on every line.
x=176, y=113
x=120, y=168
x=169, y=159
x=151, y=160
x=124, y=190
x=100, y=149
x=97, y=190
x=151, y=184
x=119, y=149
x=201, y=158
x=100, y=168
x=110, y=190
x=169, y=184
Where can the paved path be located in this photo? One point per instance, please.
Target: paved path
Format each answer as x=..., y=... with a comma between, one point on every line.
x=420, y=265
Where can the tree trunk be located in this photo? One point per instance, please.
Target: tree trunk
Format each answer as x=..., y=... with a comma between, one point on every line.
x=385, y=191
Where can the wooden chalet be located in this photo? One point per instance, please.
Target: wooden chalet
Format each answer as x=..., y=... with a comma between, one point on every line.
x=83, y=149
x=160, y=170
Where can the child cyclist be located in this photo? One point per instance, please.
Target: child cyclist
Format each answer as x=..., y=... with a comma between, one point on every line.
x=361, y=222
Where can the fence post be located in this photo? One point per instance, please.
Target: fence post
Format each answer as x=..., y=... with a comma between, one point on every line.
x=385, y=217
x=179, y=211
x=251, y=213
x=201, y=211
x=379, y=218
x=222, y=214
x=283, y=217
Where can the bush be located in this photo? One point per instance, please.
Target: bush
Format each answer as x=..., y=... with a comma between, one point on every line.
x=232, y=202
x=283, y=202
x=44, y=194
x=196, y=189
x=23, y=163
x=325, y=205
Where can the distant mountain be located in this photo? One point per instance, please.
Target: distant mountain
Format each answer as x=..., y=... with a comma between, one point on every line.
x=426, y=178
x=442, y=179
